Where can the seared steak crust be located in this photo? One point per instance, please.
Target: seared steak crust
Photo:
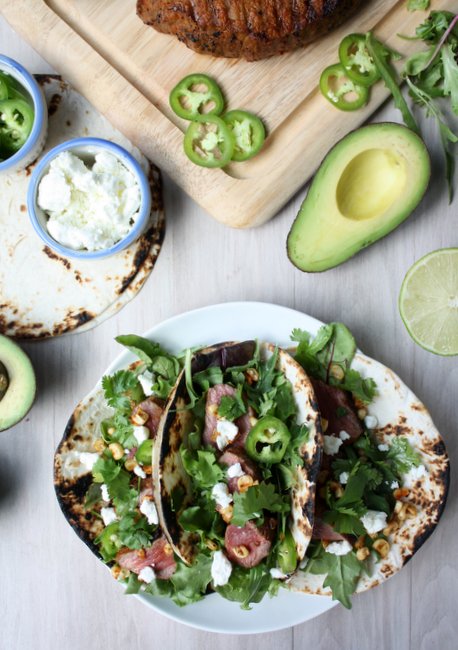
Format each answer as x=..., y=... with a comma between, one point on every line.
x=249, y=29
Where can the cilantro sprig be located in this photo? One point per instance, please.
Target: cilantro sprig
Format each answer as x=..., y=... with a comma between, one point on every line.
x=252, y=503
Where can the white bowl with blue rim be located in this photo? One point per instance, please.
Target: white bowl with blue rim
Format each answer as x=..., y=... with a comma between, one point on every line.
x=86, y=149
x=34, y=144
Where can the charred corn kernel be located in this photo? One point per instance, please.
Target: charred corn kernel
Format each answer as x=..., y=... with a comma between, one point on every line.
x=116, y=571
x=336, y=371
x=130, y=464
x=410, y=510
x=382, y=547
x=148, y=469
x=362, y=413
x=142, y=553
x=359, y=403
x=391, y=528
x=213, y=409
x=241, y=551
x=322, y=476
x=362, y=553
x=325, y=543
x=99, y=445
x=360, y=542
x=253, y=420
x=226, y=513
x=245, y=482
x=336, y=488
x=324, y=425
x=398, y=507
x=139, y=417
x=401, y=493
x=211, y=545
x=168, y=550
x=251, y=375
x=111, y=431
x=116, y=450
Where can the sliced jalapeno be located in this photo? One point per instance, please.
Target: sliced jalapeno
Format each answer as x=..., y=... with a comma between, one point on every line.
x=109, y=544
x=287, y=554
x=268, y=440
x=145, y=452
x=341, y=91
x=357, y=61
x=248, y=131
x=16, y=121
x=209, y=143
x=196, y=96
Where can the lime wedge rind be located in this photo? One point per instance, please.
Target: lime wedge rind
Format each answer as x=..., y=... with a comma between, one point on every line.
x=428, y=302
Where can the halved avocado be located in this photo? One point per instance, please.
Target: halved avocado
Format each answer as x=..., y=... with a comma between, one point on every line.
x=17, y=383
x=367, y=185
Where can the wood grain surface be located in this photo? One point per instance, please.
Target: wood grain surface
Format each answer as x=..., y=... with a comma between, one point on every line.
x=55, y=595
x=126, y=70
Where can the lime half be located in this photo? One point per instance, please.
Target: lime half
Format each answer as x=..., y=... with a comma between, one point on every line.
x=428, y=302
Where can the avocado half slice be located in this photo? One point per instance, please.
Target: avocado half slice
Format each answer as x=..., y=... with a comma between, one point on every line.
x=17, y=383
x=367, y=185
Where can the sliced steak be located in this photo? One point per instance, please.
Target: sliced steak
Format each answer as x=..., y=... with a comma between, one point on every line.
x=252, y=29
x=154, y=408
x=247, y=546
x=331, y=400
x=159, y=556
x=214, y=397
x=324, y=531
x=233, y=455
x=146, y=489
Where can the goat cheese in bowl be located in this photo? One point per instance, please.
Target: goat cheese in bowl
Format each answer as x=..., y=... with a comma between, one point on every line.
x=89, y=198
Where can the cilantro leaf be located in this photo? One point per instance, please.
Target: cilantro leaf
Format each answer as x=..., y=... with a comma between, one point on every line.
x=232, y=407
x=362, y=389
x=402, y=455
x=299, y=436
x=251, y=504
x=134, y=531
x=247, y=586
x=342, y=573
x=202, y=467
x=121, y=389
x=450, y=66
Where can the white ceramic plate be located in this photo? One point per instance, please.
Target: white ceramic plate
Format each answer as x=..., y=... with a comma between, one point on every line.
x=215, y=324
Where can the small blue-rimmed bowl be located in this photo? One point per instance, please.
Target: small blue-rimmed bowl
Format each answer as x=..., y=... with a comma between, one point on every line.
x=37, y=138
x=86, y=149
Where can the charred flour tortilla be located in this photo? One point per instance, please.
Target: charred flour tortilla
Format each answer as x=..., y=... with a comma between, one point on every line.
x=169, y=475
x=42, y=293
x=398, y=415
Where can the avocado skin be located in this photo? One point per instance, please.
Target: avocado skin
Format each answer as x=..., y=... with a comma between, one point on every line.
x=19, y=396
x=340, y=256
x=4, y=380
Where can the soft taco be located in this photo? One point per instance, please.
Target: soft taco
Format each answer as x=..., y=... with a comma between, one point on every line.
x=205, y=471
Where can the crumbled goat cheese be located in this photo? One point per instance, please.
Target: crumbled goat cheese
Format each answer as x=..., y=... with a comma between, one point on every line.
x=343, y=478
x=89, y=208
x=108, y=515
x=343, y=435
x=383, y=447
x=394, y=485
x=235, y=471
x=331, y=445
x=139, y=472
x=146, y=380
x=221, y=495
x=278, y=574
x=141, y=433
x=225, y=433
x=221, y=569
x=147, y=575
x=104, y=490
x=88, y=459
x=370, y=421
x=413, y=475
x=148, y=509
x=374, y=521
x=339, y=548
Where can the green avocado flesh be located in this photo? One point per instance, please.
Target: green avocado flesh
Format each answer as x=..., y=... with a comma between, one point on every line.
x=17, y=383
x=367, y=185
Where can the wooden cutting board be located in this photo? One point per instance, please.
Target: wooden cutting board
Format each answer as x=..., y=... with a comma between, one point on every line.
x=126, y=70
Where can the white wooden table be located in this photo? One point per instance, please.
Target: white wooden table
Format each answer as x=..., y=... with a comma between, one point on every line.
x=54, y=594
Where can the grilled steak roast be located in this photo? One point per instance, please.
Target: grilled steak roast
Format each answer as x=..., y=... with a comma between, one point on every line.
x=250, y=29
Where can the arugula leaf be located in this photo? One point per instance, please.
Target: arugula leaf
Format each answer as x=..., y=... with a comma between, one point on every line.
x=415, y=5
x=191, y=582
x=251, y=504
x=93, y=495
x=144, y=349
x=209, y=377
x=202, y=467
x=402, y=455
x=232, y=407
x=121, y=389
x=342, y=573
x=362, y=389
x=450, y=66
x=247, y=586
x=133, y=584
x=346, y=523
x=197, y=519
